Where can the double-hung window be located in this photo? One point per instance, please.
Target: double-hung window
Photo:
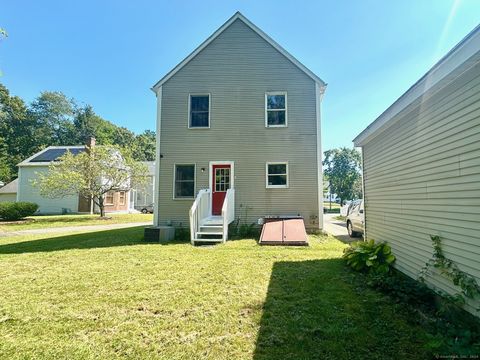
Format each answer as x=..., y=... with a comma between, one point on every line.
x=276, y=109
x=199, y=111
x=109, y=198
x=121, y=198
x=277, y=175
x=184, y=182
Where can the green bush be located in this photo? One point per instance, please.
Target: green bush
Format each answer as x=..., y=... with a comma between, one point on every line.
x=369, y=256
x=17, y=210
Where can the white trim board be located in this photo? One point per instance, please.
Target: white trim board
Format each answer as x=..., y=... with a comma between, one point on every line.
x=156, y=186
x=268, y=39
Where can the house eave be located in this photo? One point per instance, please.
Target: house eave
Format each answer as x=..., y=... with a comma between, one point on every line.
x=268, y=39
x=458, y=55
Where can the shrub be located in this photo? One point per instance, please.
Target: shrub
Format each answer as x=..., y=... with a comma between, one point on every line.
x=182, y=233
x=369, y=256
x=17, y=210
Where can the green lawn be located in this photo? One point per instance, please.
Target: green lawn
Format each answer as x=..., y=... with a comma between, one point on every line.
x=334, y=205
x=40, y=222
x=110, y=295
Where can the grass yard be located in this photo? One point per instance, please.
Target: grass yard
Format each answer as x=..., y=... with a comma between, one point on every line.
x=110, y=295
x=41, y=222
x=334, y=205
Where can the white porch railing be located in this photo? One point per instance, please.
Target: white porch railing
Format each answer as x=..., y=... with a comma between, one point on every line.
x=228, y=212
x=199, y=210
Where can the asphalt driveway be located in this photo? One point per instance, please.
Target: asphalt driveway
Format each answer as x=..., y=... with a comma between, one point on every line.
x=337, y=228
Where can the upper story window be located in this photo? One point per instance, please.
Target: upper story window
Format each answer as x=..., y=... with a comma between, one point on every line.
x=199, y=111
x=276, y=109
x=277, y=175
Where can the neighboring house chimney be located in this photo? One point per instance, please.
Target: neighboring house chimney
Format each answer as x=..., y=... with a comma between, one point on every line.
x=90, y=143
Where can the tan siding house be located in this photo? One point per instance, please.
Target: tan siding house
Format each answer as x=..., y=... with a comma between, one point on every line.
x=242, y=111
x=422, y=167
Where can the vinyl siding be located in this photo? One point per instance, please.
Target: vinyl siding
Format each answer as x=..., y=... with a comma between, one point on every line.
x=8, y=197
x=27, y=192
x=236, y=69
x=422, y=177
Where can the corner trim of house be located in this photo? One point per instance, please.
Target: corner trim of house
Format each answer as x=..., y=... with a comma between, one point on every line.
x=318, y=99
x=157, y=159
x=364, y=199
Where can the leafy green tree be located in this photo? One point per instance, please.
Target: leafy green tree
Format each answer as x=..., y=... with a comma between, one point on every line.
x=3, y=34
x=54, y=119
x=87, y=124
x=342, y=167
x=144, y=146
x=17, y=132
x=92, y=174
x=53, y=113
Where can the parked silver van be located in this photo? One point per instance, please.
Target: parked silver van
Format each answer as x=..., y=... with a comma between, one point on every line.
x=355, y=218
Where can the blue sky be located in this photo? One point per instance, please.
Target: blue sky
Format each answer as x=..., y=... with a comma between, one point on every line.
x=109, y=53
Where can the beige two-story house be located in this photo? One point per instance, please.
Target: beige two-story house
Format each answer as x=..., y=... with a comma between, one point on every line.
x=238, y=135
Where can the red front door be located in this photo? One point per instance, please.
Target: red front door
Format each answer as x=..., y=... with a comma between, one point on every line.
x=220, y=184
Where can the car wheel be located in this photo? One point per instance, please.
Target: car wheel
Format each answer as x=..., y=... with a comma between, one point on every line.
x=351, y=233
x=144, y=211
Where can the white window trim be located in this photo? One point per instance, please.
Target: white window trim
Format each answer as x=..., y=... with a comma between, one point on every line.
x=286, y=109
x=266, y=175
x=194, y=181
x=209, y=111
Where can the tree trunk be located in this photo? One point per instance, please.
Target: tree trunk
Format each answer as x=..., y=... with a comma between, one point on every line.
x=101, y=206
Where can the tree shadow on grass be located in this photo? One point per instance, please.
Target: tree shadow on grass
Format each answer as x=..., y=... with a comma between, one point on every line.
x=88, y=240
x=319, y=310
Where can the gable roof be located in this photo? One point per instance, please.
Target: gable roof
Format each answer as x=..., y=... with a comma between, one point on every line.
x=49, y=154
x=461, y=56
x=268, y=39
x=10, y=188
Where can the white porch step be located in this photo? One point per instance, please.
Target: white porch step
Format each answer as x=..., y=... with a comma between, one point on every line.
x=209, y=233
x=212, y=220
x=207, y=240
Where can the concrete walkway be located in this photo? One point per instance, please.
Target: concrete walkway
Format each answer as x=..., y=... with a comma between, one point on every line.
x=337, y=228
x=76, y=229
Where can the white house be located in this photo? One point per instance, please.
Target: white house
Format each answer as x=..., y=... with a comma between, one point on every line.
x=29, y=169
x=9, y=191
